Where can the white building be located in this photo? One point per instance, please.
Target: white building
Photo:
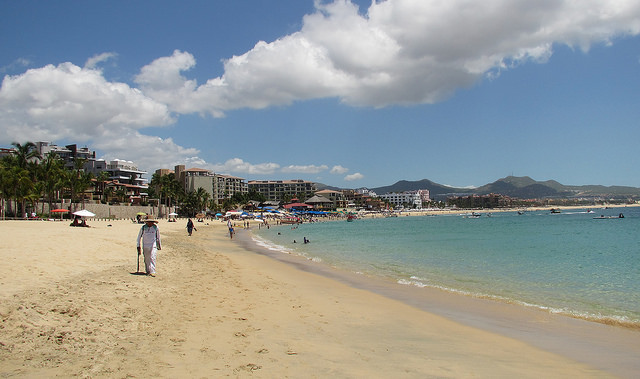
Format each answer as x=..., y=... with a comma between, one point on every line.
x=407, y=199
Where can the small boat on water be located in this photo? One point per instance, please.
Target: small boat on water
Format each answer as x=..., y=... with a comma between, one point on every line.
x=351, y=218
x=555, y=210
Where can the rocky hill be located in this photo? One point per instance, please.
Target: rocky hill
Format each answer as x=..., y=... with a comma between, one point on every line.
x=520, y=187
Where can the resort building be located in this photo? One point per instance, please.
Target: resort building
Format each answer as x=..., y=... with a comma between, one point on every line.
x=227, y=186
x=320, y=203
x=219, y=187
x=407, y=199
x=68, y=153
x=125, y=181
x=336, y=197
x=283, y=190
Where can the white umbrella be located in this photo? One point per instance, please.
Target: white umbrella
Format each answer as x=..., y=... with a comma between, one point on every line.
x=84, y=213
x=173, y=214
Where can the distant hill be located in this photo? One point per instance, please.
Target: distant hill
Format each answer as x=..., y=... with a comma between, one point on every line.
x=434, y=188
x=522, y=187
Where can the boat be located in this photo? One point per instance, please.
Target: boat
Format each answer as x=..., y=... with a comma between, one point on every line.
x=351, y=218
x=291, y=220
x=555, y=210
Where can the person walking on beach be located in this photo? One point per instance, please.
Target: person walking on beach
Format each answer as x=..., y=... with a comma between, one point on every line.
x=190, y=227
x=150, y=236
x=230, y=226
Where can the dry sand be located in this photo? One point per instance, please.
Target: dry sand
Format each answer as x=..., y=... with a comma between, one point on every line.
x=70, y=306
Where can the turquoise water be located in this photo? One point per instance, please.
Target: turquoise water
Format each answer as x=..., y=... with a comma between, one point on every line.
x=567, y=263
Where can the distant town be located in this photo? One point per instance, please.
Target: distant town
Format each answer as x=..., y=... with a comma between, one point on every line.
x=38, y=177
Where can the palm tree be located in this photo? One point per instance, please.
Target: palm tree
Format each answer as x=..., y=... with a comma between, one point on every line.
x=76, y=180
x=23, y=186
x=6, y=183
x=49, y=172
x=202, y=197
x=25, y=153
x=102, y=179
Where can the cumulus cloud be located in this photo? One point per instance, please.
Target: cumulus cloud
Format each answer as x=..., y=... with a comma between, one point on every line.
x=67, y=102
x=61, y=101
x=353, y=177
x=238, y=165
x=304, y=169
x=397, y=52
x=339, y=170
x=393, y=52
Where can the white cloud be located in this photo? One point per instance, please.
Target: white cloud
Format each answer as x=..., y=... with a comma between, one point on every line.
x=306, y=169
x=353, y=177
x=97, y=59
x=394, y=52
x=66, y=102
x=398, y=52
x=339, y=170
x=19, y=63
x=55, y=102
x=237, y=165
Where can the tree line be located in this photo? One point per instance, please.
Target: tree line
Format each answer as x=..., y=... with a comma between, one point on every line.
x=27, y=178
x=29, y=181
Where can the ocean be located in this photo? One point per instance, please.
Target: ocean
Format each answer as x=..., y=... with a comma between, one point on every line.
x=567, y=263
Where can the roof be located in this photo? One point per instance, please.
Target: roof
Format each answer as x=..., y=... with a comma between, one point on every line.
x=328, y=191
x=298, y=205
x=319, y=199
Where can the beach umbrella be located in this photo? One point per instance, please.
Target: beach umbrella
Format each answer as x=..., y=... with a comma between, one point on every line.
x=84, y=213
x=173, y=214
x=59, y=210
x=141, y=214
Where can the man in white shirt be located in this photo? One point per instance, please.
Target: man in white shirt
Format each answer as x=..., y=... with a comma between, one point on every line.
x=150, y=236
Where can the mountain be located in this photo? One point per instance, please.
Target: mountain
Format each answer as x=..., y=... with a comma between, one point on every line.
x=522, y=187
x=434, y=188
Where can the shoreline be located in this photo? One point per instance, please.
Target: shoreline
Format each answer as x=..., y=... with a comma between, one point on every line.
x=71, y=307
x=615, y=342
x=593, y=316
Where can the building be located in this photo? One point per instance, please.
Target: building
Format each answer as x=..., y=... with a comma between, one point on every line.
x=424, y=196
x=283, y=190
x=410, y=199
x=321, y=203
x=69, y=153
x=227, y=186
x=123, y=176
x=219, y=187
x=337, y=197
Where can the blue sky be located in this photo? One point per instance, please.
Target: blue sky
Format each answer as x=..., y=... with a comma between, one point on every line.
x=347, y=93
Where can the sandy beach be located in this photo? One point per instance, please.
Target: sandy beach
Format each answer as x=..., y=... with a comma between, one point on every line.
x=72, y=306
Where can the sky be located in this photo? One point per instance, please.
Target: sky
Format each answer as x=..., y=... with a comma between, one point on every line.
x=346, y=93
